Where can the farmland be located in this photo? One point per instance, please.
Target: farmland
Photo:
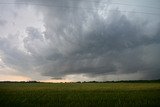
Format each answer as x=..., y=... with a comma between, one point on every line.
x=79, y=94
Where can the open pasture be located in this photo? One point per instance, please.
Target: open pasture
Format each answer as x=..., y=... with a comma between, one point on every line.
x=79, y=94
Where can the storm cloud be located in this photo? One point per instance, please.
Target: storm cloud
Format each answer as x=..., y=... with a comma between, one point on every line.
x=86, y=38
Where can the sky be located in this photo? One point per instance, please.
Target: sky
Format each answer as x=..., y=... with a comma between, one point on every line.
x=79, y=40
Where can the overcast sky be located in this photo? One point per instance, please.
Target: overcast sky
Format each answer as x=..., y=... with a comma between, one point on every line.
x=79, y=40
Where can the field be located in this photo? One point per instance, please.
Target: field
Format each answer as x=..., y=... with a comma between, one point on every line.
x=79, y=94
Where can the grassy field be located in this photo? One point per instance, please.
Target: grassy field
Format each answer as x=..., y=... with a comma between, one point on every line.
x=79, y=94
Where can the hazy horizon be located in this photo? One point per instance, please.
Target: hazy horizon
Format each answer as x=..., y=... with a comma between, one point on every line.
x=79, y=40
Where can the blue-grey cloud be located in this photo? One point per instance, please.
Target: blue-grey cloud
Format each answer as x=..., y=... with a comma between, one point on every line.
x=2, y=22
x=80, y=41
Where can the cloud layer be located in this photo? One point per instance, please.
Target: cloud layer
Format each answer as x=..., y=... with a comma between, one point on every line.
x=86, y=40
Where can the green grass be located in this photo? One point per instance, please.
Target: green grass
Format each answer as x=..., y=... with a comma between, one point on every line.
x=79, y=94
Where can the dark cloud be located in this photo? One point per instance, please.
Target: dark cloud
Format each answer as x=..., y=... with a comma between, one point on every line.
x=57, y=78
x=80, y=41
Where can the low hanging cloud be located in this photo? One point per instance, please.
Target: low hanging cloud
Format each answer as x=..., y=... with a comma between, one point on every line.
x=91, y=41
